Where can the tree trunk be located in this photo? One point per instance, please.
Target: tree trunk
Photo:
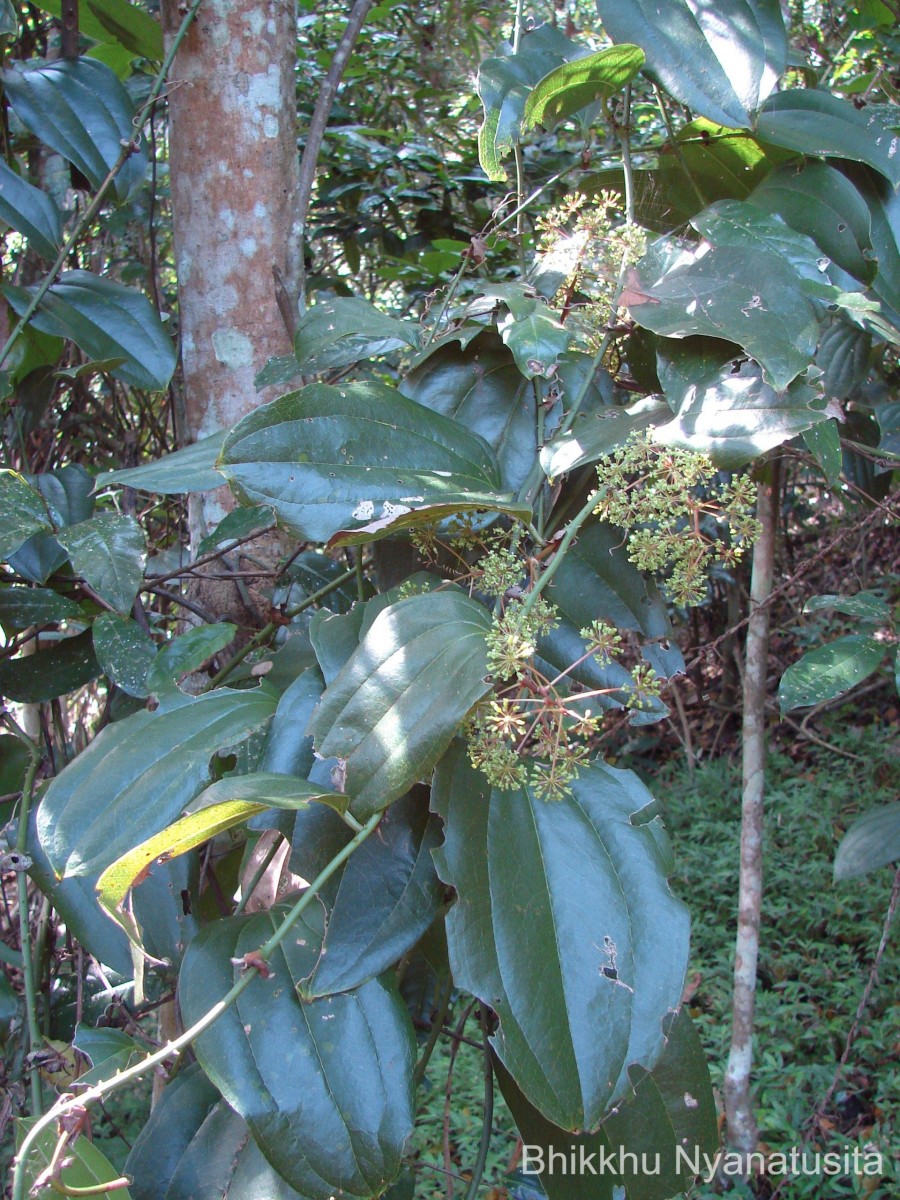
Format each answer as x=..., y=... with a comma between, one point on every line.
x=743, y=1134
x=233, y=174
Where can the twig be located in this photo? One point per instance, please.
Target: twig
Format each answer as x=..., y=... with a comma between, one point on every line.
x=487, y=1121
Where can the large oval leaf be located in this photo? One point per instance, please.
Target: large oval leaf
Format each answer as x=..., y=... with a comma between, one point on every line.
x=325, y=459
x=61, y=667
x=137, y=775
x=565, y=926
x=821, y=202
x=108, y=552
x=326, y=1085
x=396, y=704
x=194, y=1147
x=648, y=1145
x=387, y=896
x=576, y=84
x=24, y=512
x=720, y=60
x=869, y=843
x=830, y=670
x=79, y=109
x=107, y=321
x=818, y=123
x=481, y=388
x=344, y=330
x=30, y=211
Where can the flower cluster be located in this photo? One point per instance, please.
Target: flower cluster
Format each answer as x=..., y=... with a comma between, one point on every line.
x=537, y=730
x=670, y=504
x=588, y=241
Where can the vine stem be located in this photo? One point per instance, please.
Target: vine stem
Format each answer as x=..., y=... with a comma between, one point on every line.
x=68, y=1102
x=488, y=1119
x=35, y=1041
x=566, y=541
x=94, y=207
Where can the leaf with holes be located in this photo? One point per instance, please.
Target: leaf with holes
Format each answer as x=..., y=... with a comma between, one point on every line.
x=108, y=552
x=326, y=1085
x=573, y=894
x=829, y=671
x=124, y=651
x=24, y=512
x=396, y=704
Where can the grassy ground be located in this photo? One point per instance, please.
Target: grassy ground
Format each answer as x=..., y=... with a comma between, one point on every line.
x=818, y=943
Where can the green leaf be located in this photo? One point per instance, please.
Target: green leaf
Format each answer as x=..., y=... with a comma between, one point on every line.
x=572, y=894
x=396, y=704
x=325, y=1086
x=590, y=440
x=138, y=775
x=24, y=512
x=504, y=84
x=335, y=636
x=574, y=85
x=871, y=842
x=311, y=571
x=320, y=457
x=130, y=26
x=883, y=203
x=187, y=652
x=193, y=1147
x=817, y=200
x=480, y=387
x=88, y=1169
x=107, y=1050
x=387, y=896
x=192, y=469
x=230, y=802
x=865, y=605
x=107, y=321
x=286, y=751
x=596, y=580
x=829, y=671
x=724, y=408
x=237, y=524
x=843, y=356
x=536, y=338
x=108, y=552
x=79, y=109
x=31, y=212
x=743, y=290
x=719, y=60
x=668, y=1122
x=124, y=651
x=823, y=441
x=342, y=331
x=9, y=20
x=817, y=122
x=75, y=900
x=61, y=667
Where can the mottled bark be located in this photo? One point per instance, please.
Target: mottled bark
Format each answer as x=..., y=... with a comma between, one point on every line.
x=742, y=1132
x=233, y=176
